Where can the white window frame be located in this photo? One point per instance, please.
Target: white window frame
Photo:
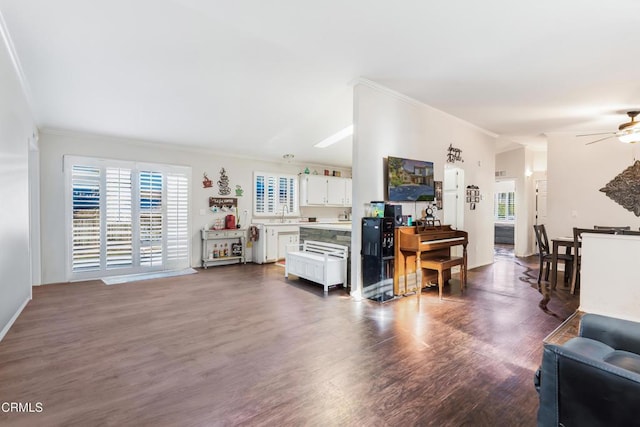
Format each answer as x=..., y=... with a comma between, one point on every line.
x=136, y=168
x=510, y=201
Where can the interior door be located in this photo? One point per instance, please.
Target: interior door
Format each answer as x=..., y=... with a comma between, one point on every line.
x=453, y=202
x=541, y=201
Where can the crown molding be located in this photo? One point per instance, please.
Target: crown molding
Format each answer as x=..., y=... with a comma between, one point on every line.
x=15, y=61
x=412, y=101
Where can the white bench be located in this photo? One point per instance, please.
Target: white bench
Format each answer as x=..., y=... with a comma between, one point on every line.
x=323, y=263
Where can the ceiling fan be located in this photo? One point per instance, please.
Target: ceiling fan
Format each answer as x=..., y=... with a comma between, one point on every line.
x=627, y=132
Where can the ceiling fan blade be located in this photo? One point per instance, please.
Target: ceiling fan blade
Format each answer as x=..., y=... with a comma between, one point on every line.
x=598, y=140
x=594, y=134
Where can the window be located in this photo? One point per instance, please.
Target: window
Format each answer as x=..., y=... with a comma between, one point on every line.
x=504, y=207
x=275, y=194
x=126, y=217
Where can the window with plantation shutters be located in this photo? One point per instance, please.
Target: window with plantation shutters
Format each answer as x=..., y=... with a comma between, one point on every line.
x=86, y=214
x=177, y=217
x=505, y=206
x=126, y=217
x=275, y=193
x=151, y=218
x=119, y=242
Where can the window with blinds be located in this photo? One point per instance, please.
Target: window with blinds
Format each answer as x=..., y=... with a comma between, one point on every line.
x=126, y=218
x=505, y=206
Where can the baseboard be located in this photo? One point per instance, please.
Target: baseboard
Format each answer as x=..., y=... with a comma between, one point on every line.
x=8, y=326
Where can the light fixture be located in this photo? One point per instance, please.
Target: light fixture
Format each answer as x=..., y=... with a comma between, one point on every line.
x=629, y=136
x=336, y=137
x=288, y=157
x=629, y=132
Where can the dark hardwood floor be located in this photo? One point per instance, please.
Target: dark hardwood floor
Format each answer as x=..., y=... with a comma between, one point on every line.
x=240, y=345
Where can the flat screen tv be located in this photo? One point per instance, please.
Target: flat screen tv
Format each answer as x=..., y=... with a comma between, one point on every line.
x=409, y=180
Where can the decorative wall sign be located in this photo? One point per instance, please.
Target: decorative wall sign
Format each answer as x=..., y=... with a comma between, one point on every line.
x=624, y=189
x=223, y=204
x=454, y=154
x=223, y=183
x=239, y=191
x=206, y=182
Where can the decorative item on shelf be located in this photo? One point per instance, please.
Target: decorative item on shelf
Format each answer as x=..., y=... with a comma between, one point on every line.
x=315, y=172
x=326, y=172
x=206, y=182
x=438, y=194
x=454, y=154
x=223, y=183
x=239, y=191
x=336, y=173
x=473, y=196
x=624, y=189
x=306, y=171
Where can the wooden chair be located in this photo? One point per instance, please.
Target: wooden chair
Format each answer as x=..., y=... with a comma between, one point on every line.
x=545, y=256
x=577, y=244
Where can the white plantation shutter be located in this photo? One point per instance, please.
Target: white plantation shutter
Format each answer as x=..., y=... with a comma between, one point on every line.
x=119, y=238
x=177, y=218
x=151, y=218
x=126, y=218
x=272, y=192
x=85, y=226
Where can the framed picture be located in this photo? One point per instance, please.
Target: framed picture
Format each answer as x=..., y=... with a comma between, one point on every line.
x=476, y=199
x=468, y=199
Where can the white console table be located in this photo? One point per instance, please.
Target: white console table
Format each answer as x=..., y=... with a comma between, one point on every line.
x=211, y=237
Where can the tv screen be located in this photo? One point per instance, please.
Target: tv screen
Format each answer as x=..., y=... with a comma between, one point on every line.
x=409, y=180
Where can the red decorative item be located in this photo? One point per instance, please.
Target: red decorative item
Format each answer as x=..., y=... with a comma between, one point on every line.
x=206, y=182
x=230, y=222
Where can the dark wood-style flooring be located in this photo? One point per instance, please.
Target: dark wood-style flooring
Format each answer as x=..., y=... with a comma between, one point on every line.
x=240, y=345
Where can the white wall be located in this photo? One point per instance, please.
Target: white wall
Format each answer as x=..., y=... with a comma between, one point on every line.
x=16, y=131
x=391, y=124
x=576, y=172
x=608, y=281
x=54, y=145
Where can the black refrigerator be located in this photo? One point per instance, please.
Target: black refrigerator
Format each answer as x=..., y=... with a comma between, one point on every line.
x=377, y=258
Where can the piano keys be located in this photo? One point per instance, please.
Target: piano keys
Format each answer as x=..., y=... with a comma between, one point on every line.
x=432, y=244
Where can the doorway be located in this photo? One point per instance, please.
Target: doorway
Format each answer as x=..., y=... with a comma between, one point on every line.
x=504, y=217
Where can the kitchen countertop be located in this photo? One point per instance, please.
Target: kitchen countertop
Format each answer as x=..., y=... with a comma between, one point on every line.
x=326, y=225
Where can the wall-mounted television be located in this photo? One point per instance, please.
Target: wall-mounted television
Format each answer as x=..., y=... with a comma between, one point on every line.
x=409, y=180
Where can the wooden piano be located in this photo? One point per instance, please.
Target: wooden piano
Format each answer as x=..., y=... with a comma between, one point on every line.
x=425, y=254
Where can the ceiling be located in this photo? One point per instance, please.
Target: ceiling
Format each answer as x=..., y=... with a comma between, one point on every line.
x=263, y=78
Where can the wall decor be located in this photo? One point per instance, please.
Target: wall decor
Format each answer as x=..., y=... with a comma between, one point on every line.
x=454, y=154
x=473, y=196
x=206, y=182
x=224, y=204
x=239, y=191
x=624, y=189
x=223, y=183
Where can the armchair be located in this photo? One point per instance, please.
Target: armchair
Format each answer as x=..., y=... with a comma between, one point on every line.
x=592, y=379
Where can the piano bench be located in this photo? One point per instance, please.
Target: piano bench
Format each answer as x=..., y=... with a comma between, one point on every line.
x=442, y=264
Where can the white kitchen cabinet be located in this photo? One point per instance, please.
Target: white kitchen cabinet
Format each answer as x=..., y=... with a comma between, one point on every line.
x=271, y=245
x=320, y=190
x=285, y=239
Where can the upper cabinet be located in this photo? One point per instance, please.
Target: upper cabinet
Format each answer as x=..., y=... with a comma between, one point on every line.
x=321, y=190
x=275, y=194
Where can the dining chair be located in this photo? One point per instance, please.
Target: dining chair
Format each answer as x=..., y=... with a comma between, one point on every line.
x=614, y=228
x=545, y=256
x=577, y=249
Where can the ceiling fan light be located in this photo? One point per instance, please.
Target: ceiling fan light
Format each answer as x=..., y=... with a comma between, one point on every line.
x=629, y=138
